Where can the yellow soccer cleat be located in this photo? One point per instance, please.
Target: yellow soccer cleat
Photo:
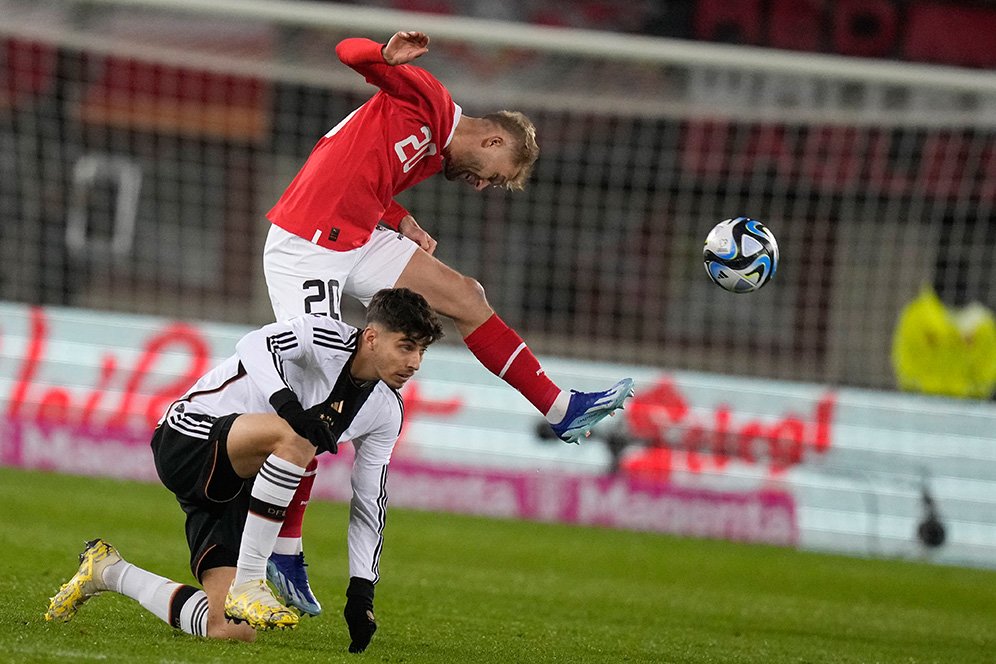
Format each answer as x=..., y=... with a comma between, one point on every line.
x=87, y=582
x=253, y=602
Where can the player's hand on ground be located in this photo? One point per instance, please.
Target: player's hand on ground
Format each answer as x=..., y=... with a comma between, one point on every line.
x=411, y=230
x=306, y=424
x=404, y=47
x=359, y=613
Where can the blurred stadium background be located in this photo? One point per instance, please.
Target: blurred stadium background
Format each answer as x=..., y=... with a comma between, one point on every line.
x=148, y=139
x=142, y=142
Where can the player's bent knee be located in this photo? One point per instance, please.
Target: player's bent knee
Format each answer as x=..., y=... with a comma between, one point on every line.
x=476, y=290
x=469, y=295
x=225, y=630
x=255, y=436
x=295, y=448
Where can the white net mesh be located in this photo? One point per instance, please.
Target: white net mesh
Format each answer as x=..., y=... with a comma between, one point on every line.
x=141, y=147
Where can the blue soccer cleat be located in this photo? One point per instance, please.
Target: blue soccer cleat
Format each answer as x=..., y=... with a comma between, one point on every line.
x=286, y=572
x=586, y=409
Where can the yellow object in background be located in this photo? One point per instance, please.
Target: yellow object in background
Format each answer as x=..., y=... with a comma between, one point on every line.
x=945, y=350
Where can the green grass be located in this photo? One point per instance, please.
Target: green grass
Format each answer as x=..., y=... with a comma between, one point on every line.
x=466, y=590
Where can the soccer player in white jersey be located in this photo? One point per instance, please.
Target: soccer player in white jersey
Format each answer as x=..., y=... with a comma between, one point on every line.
x=234, y=448
x=337, y=229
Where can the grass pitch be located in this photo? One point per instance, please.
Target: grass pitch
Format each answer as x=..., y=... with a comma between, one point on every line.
x=466, y=590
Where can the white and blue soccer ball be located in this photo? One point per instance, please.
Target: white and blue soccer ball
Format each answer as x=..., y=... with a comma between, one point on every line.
x=740, y=255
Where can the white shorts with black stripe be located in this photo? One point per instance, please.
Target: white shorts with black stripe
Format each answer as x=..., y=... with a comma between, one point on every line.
x=304, y=278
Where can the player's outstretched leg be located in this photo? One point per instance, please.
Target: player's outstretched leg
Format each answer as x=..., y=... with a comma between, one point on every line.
x=586, y=409
x=87, y=582
x=287, y=574
x=253, y=602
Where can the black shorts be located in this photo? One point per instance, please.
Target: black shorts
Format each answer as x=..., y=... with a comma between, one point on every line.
x=214, y=498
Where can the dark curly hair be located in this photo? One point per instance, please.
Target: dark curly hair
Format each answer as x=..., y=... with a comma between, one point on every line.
x=403, y=310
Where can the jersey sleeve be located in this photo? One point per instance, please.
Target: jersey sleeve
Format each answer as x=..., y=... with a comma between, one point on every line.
x=264, y=352
x=368, y=506
x=394, y=214
x=406, y=82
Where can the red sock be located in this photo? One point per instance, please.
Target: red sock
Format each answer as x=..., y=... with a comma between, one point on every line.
x=504, y=354
x=295, y=511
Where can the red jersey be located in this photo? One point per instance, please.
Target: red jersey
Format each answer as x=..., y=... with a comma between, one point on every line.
x=395, y=140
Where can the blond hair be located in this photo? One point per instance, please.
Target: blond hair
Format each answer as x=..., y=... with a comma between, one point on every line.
x=523, y=132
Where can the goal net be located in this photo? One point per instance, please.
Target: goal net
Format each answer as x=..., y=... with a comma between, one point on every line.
x=143, y=141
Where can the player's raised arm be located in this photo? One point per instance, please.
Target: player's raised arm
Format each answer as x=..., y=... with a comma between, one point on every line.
x=385, y=65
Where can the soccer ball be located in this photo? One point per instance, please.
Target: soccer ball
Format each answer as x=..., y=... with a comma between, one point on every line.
x=740, y=255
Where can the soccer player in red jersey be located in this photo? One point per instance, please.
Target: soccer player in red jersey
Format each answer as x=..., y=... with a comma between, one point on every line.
x=338, y=230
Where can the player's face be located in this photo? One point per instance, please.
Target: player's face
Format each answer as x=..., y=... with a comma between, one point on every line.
x=482, y=167
x=396, y=357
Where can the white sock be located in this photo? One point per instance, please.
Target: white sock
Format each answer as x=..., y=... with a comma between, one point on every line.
x=178, y=605
x=272, y=491
x=558, y=410
x=289, y=546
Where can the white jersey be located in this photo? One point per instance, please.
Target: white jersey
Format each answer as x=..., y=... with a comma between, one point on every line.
x=310, y=355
